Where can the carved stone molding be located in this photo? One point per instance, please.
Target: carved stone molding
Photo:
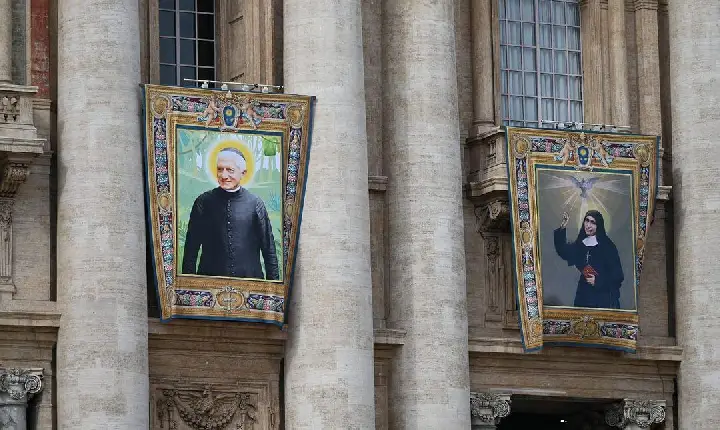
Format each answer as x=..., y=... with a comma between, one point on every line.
x=14, y=173
x=205, y=408
x=9, y=108
x=17, y=386
x=633, y=414
x=487, y=409
x=20, y=384
x=646, y=4
x=17, y=130
x=493, y=217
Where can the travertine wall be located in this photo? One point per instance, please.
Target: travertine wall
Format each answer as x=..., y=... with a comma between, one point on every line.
x=28, y=316
x=221, y=351
x=215, y=360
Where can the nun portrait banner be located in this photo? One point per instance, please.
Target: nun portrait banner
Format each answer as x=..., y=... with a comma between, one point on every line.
x=581, y=204
x=225, y=176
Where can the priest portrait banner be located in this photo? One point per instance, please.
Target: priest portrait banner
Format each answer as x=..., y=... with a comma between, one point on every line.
x=581, y=205
x=225, y=176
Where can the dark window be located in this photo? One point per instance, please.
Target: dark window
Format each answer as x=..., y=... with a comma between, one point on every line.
x=187, y=41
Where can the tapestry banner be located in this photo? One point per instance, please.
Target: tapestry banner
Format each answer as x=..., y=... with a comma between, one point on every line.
x=581, y=204
x=225, y=181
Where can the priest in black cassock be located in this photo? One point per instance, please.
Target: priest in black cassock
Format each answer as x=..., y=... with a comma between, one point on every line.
x=597, y=259
x=231, y=227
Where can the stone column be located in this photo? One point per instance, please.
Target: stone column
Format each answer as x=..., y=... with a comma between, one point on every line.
x=102, y=362
x=619, y=95
x=695, y=92
x=6, y=24
x=482, y=67
x=429, y=376
x=636, y=414
x=487, y=409
x=592, y=39
x=17, y=386
x=329, y=379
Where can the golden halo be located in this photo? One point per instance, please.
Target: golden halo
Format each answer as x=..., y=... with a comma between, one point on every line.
x=212, y=155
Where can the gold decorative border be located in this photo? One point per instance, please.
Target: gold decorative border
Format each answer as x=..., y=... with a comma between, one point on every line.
x=297, y=111
x=580, y=325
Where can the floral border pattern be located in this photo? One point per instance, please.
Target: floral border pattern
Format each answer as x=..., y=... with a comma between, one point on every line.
x=231, y=299
x=584, y=151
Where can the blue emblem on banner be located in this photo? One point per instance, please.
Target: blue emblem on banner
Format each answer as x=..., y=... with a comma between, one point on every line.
x=229, y=115
x=584, y=154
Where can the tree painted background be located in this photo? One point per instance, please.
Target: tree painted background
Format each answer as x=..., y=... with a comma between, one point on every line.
x=197, y=151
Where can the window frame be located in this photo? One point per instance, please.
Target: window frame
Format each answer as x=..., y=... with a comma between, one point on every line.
x=500, y=16
x=153, y=41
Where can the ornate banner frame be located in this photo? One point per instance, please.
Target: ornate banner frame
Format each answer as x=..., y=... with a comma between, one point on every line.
x=263, y=141
x=555, y=176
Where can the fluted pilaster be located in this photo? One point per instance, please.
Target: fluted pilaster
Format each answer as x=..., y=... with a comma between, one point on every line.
x=482, y=66
x=619, y=100
x=592, y=49
x=6, y=24
x=102, y=361
x=329, y=355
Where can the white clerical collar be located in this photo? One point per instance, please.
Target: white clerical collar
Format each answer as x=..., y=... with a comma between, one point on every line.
x=235, y=190
x=590, y=241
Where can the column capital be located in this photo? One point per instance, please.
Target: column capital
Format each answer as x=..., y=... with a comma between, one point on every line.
x=19, y=384
x=640, y=413
x=489, y=408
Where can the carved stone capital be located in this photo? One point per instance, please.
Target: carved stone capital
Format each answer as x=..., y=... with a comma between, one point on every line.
x=487, y=409
x=18, y=385
x=14, y=173
x=631, y=414
x=493, y=217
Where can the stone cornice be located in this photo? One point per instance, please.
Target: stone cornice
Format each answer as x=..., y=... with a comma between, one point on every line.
x=240, y=333
x=645, y=4
x=377, y=183
x=489, y=345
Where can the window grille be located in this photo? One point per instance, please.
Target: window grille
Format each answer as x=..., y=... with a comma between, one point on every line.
x=187, y=41
x=540, y=62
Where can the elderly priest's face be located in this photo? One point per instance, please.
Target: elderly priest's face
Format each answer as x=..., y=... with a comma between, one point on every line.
x=230, y=170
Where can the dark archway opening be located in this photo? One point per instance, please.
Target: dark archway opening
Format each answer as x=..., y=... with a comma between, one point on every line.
x=545, y=413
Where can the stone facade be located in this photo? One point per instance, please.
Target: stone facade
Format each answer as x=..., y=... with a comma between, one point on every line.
x=407, y=169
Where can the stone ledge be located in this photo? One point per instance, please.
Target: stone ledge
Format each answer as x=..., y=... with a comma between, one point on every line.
x=22, y=145
x=388, y=336
x=29, y=313
x=664, y=193
x=20, y=89
x=500, y=185
x=513, y=346
x=238, y=332
x=377, y=183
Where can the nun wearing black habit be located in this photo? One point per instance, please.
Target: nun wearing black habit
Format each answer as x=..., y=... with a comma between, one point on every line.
x=596, y=258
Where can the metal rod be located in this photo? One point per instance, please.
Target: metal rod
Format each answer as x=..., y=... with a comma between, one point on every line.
x=224, y=85
x=565, y=125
